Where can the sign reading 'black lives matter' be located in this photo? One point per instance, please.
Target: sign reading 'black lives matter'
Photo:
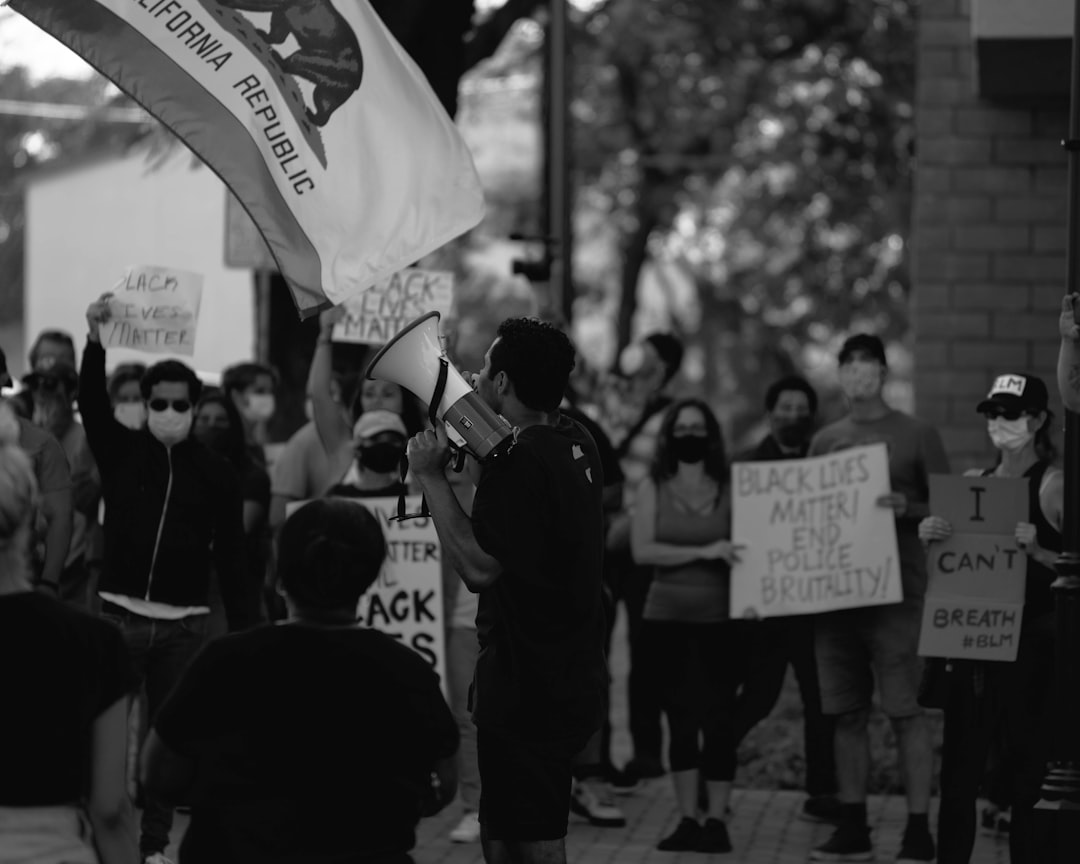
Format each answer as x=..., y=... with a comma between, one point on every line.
x=815, y=538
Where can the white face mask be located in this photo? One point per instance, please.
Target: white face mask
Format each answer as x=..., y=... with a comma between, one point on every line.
x=860, y=380
x=169, y=426
x=1012, y=435
x=259, y=407
x=131, y=414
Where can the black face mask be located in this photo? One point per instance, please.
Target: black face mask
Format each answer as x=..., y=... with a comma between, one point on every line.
x=689, y=448
x=380, y=458
x=795, y=432
x=213, y=438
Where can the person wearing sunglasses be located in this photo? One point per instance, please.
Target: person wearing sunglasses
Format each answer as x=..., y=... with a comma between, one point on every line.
x=173, y=510
x=990, y=702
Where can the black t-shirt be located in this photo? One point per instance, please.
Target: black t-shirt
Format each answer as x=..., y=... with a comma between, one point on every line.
x=313, y=745
x=538, y=510
x=61, y=669
x=609, y=459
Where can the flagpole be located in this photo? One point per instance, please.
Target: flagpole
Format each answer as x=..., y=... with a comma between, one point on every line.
x=1056, y=823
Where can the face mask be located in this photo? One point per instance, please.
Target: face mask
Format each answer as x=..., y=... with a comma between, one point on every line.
x=169, y=426
x=213, y=437
x=1009, y=435
x=689, y=448
x=380, y=458
x=259, y=407
x=793, y=433
x=131, y=414
x=860, y=380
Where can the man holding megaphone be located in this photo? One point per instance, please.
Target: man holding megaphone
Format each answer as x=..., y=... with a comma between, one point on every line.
x=533, y=549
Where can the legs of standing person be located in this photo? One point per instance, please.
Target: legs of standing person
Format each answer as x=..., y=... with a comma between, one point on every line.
x=818, y=729
x=971, y=722
x=763, y=670
x=645, y=675
x=172, y=646
x=461, y=652
x=524, y=797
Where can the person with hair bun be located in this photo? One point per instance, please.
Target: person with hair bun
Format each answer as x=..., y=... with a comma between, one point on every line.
x=316, y=739
x=64, y=748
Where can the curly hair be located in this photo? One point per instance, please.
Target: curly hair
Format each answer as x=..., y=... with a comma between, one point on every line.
x=18, y=487
x=537, y=357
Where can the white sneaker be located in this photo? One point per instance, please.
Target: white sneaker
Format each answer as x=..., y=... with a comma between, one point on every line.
x=590, y=802
x=157, y=858
x=468, y=829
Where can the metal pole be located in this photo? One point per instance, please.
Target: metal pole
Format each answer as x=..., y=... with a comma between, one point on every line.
x=560, y=228
x=1056, y=824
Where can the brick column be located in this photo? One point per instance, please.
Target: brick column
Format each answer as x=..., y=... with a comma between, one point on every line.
x=988, y=236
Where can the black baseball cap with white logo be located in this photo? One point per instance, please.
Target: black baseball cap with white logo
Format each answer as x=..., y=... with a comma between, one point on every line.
x=1017, y=393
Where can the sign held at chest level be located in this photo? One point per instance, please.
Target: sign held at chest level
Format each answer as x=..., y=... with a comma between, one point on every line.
x=154, y=310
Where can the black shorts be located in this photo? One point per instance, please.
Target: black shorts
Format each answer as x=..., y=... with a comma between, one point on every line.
x=524, y=786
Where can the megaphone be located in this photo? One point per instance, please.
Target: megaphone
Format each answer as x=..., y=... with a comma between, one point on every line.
x=415, y=360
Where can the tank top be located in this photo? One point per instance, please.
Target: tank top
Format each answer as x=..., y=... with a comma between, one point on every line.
x=1038, y=598
x=697, y=592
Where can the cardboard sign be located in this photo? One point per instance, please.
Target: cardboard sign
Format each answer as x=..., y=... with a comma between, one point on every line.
x=406, y=601
x=377, y=315
x=815, y=539
x=154, y=310
x=975, y=594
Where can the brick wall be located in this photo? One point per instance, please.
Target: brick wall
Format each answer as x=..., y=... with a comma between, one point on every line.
x=988, y=235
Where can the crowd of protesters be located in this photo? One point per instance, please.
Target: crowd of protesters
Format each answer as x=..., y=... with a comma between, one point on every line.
x=145, y=539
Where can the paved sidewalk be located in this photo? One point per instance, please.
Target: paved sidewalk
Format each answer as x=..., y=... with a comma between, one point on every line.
x=765, y=829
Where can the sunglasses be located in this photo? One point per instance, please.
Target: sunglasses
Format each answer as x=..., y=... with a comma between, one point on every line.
x=1002, y=414
x=178, y=405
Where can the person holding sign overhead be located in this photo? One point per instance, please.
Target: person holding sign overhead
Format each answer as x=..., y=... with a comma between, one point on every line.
x=855, y=646
x=987, y=701
x=682, y=529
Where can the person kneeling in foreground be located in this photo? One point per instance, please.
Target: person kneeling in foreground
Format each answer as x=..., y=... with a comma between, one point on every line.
x=313, y=740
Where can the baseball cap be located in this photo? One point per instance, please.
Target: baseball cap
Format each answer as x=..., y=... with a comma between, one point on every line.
x=865, y=342
x=372, y=423
x=1016, y=392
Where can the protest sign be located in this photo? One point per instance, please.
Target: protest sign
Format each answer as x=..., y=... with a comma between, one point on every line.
x=406, y=601
x=154, y=310
x=378, y=314
x=815, y=538
x=975, y=594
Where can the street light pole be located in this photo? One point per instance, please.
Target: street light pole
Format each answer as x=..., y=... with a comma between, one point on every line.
x=559, y=209
x=1056, y=824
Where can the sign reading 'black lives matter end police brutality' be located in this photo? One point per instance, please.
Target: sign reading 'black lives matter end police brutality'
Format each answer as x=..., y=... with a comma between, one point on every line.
x=815, y=539
x=975, y=595
x=378, y=314
x=406, y=601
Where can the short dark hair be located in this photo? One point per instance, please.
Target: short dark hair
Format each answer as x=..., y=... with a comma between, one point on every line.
x=664, y=461
x=172, y=371
x=866, y=342
x=669, y=350
x=61, y=336
x=237, y=378
x=537, y=357
x=329, y=553
x=123, y=374
x=791, y=383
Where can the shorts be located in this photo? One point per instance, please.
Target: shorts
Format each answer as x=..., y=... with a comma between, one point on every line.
x=855, y=646
x=524, y=786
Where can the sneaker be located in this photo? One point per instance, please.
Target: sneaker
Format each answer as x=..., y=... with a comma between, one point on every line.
x=587, y=802
x=685, y=838
x=994, y=821
x=822, y=808
x=918, y=847
x=468, y=829
x=624, y=782
x=714, y=838
x=847, y=843
x=157, y=858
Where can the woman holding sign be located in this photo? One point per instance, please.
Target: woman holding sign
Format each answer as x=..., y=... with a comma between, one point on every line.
x=987, y=701
x=682, y=527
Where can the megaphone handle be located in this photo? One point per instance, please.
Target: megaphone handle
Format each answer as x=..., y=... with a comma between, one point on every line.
x=403, y=466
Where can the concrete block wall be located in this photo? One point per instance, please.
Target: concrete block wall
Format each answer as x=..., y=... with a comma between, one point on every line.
x=988, y=235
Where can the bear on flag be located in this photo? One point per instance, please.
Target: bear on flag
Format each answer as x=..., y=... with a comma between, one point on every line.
x=311, y=113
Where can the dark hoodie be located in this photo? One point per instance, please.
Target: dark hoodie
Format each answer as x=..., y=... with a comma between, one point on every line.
x=169, y=512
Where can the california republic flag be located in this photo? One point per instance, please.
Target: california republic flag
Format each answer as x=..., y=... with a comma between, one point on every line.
x=309, y=110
